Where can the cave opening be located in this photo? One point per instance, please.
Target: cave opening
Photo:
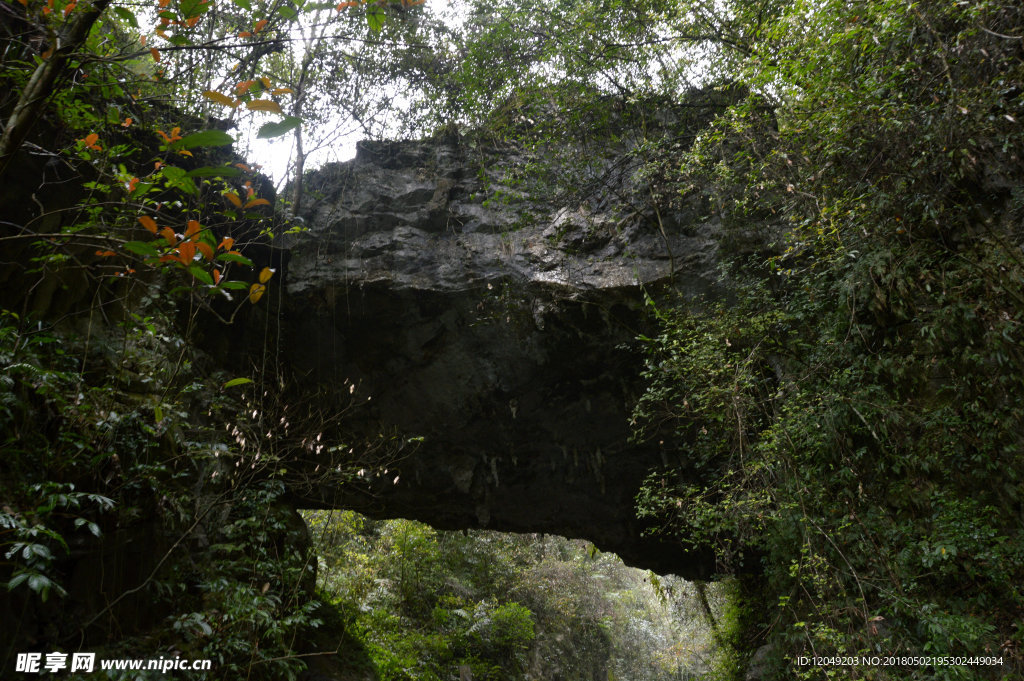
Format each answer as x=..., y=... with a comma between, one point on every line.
x=415, y=602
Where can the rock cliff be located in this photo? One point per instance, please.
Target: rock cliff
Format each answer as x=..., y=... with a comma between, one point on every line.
x=494, y=327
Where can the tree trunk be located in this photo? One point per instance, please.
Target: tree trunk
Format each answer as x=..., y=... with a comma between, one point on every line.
x=300, y=164
x=40, y=84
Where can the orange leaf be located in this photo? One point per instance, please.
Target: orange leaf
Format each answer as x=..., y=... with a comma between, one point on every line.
x=226, y=243
x=216, y=275
x=156, y=54
x=256, y=292
x=205, y=249
x=265, y=274
x=192, y=230
x=91, y=139
x=69, y=8
x=164, y=3
x=244, y=167
x=185, y=152
x=244, y=34
x=127, y=123
x=244, y=86
x=264, y=105
x=105, y=254
x=186, y=252
x=192, y=22
x=169, y=234
x=257, y=202
x=260, y=25
x=149, y=223
x=233, y=198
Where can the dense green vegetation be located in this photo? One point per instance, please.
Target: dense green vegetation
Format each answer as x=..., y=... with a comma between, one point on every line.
x=850, y=411
x=500, y=606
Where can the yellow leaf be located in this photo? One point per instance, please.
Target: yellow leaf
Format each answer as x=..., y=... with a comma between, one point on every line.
x=265, y=81
x=264, y=105
x=217, y=97
x=265, y=274
x=257, y=202
x=233, y=198
x=256, y=292
x=149, y=223
x=282, y=91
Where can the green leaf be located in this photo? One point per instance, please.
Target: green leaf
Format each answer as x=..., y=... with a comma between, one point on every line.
x=200, y=274
x=237, y=381
x=278, y=128
x=206, y=138
x=141, y=189
x=287, y=12
x=375, y=18
x=235, y=257
x=235, y=285
x=173, y=173
x=127, y=15
x=142, y=248
x=179, y=40
x=17, y=580
x=244, y=4
x=193, y=8
x=215, y=171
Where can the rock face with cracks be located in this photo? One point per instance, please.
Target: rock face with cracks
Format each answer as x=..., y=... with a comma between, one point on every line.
x=494, y=329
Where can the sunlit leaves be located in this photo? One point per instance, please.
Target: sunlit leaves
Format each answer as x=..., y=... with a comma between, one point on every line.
x=220, y=98
x=207, y=138
x=264, y=105
x=237, y=381
x=375, y=18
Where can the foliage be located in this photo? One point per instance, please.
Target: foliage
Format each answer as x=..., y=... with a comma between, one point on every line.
x=853, y=421
x=426, y=603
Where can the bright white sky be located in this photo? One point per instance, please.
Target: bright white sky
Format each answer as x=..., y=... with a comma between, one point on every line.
x=275, y=155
